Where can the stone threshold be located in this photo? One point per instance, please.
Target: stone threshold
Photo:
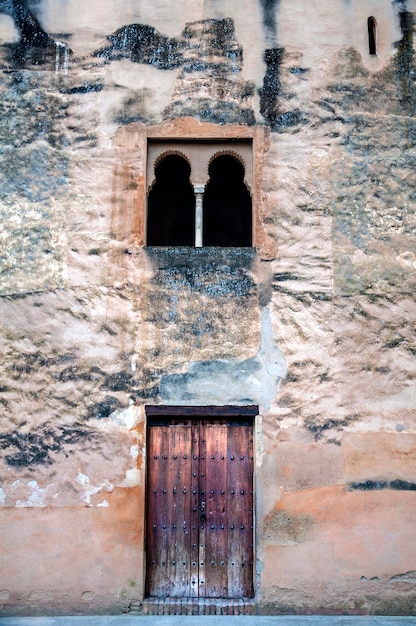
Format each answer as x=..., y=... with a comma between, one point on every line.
x=192, y=606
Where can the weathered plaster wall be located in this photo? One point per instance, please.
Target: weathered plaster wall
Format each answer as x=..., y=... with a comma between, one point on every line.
x=316, y=325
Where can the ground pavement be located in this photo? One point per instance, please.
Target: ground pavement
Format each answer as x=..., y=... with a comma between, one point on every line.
x=208, y=620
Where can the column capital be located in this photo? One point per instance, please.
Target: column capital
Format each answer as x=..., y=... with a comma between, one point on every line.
x=199, y=188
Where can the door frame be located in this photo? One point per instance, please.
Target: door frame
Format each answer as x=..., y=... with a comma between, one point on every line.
x=198, y=413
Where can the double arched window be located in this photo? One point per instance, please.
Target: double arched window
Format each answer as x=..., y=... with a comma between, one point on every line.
x=215, y=212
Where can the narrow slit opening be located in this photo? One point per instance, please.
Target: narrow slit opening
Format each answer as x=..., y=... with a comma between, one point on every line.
x=372, y=42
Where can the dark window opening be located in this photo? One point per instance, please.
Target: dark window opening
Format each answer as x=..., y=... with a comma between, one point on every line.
x=227, y=213
x=171, y=204
x=372, y=44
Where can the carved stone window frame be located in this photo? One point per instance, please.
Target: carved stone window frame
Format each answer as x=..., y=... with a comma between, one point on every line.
x=134, y=169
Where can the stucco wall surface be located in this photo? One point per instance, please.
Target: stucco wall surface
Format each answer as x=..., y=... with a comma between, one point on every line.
x=315, y=324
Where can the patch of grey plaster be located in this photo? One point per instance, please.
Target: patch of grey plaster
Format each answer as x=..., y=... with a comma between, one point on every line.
x=287, y=528
x=127, y=417
x=91, y=490
x=35, y=498
x=132, y=479
x=134, y=452
x=41, y=595
x=260, y=441
x=252, y=381
x=8, y=31
x=407, y=577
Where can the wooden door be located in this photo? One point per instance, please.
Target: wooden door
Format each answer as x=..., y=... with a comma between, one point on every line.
x=200, y=508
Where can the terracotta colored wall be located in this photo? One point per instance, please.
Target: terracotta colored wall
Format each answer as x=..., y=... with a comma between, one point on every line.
x=59, y=559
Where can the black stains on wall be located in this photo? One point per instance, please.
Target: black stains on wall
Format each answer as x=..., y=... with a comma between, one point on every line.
x=405, y=65
x=121, y=381
x=212, y=273
x=143, y=44
x=214, y=111
x=43, y=112
x=376, y=485
x=319, y=426
x=35, y=46
x=88, y=87
x=77, y=373
x=284, y=276
x=192, y=295
x=59, y=380
x=33, y=164
x=38, y=446
x=31, y=362
x=271, y=94
x=269, y=8
x=271, y=90
x=209, y=85
x=223, y=39
x=104, y=408
x=217, y=37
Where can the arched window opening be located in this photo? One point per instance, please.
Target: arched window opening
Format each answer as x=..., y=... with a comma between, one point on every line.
x=227, y=214
x=171, y=204
x=372, y=43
